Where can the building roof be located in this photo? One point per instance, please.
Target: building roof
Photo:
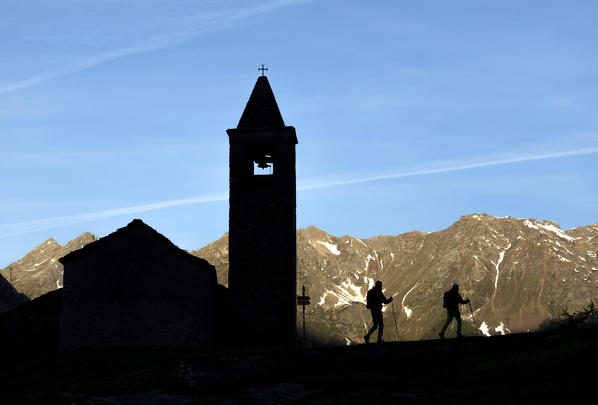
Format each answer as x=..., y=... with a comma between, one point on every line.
x=261, y=110
x=133, y=226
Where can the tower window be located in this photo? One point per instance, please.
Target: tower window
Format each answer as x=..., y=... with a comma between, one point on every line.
x=263, y=165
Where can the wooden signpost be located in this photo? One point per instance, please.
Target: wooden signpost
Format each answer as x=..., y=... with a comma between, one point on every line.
x=303, y=300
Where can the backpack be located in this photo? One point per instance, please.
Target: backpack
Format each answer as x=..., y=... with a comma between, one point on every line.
x=367, y=299
x=445, y=299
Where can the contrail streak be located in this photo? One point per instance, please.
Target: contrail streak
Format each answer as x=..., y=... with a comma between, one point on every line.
x=166, y=40
x=18, y=228
x=80, y=66
x=466, y=166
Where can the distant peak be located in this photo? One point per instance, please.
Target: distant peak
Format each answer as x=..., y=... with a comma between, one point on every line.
x=86, y=236
x=476, y=216
x=46, y=243
x=313, y=230
x=261, y=110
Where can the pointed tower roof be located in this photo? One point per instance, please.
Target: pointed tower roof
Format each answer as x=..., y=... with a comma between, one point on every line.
x=261, y=110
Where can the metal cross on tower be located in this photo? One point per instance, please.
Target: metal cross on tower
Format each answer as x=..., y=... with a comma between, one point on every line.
x=263, y=69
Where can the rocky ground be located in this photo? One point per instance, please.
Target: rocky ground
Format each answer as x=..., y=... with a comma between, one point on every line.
x=518, y=368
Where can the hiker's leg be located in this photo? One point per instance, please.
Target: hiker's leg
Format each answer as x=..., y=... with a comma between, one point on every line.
x=380, y=327
x=449, y=318
x=458, y=318
x=375, y=321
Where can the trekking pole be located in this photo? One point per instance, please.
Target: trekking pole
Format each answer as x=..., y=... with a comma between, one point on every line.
x=475, y=325
x=393, y=314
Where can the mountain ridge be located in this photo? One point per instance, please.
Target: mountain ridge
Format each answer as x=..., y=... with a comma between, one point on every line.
x=509, y=266
x=39, y=272
x=517, y=271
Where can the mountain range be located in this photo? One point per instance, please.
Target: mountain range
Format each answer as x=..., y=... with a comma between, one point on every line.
x=516, y=271
x=39, y=271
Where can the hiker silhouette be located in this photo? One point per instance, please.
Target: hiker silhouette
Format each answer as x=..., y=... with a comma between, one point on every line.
x=451, y=301
x=375, y=298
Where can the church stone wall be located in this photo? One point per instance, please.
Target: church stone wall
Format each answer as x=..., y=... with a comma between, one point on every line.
x=135, y=290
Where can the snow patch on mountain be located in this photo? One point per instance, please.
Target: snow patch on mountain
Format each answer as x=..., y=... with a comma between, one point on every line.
x=554, y=229
x=346, y=293
x=501, y=329
x=324, y=265
x=501, y=257
x=484, y=328
x=408, y=311
x=367, y=262
x=530, y=224
x=331, y=247
x=37, y=264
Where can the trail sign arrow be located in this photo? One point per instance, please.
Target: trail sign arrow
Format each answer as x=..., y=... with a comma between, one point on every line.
x=303, y=300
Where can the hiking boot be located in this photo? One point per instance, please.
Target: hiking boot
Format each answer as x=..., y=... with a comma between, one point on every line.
x=441, y=335
x=380, y=341
x=366, y=338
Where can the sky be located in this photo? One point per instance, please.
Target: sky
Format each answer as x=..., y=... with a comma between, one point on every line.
x=408, y=114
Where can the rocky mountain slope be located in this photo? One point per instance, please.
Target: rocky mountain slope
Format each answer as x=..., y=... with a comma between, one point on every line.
x=517, y=273
x=39, y=271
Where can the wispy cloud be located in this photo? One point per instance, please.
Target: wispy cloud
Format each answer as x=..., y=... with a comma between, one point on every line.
x=454, y=168
x=18, y=228
x=79, y=65
x=185, y=30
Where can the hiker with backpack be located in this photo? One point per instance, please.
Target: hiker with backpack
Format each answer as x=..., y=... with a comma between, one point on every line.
x=375, y=298
x=451, y=301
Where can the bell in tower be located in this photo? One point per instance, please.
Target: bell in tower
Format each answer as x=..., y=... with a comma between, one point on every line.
x=262, y=221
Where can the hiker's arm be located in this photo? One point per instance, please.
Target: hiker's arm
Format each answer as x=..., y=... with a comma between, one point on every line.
x=387, y=301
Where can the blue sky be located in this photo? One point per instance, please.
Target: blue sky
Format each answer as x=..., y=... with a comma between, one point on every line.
x=408, y=114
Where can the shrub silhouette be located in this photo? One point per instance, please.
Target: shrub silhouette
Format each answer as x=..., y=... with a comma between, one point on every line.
x=585, y=317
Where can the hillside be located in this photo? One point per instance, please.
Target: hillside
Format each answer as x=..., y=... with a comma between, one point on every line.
x=39, y=271
x=517, y=273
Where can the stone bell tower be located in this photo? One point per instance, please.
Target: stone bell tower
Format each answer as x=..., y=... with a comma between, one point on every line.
x=262, y=221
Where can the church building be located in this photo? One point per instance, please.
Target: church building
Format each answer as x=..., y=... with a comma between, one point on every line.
x=134, y=287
